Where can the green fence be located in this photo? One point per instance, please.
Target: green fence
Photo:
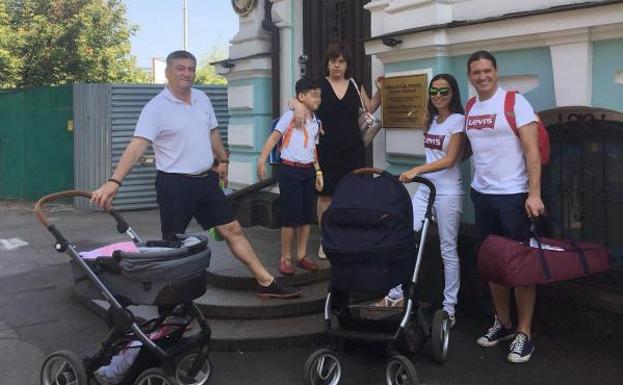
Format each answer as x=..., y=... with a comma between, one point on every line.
x=36, y=142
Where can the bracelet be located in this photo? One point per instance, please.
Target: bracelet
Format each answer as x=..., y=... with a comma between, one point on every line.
x=318, y=172
x=226, y=161
x=117, y=181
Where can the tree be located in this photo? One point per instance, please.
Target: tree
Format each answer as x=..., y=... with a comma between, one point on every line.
x=206, y=74
x=67, y=41
x=9, y=63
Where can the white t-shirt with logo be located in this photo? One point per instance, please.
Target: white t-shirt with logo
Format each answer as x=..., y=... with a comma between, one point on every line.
x=296, y=149
x=499, y=163
x=436, y=143
x=179, y=132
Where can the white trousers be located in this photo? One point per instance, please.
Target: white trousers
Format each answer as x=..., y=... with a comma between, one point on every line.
x=447, y=211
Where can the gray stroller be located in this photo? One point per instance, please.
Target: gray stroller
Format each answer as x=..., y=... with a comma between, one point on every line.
x=167, y=274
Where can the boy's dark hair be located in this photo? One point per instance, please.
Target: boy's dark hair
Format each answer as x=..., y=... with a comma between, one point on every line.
x=306, y=84
x=481, y=55
x=335, y=50
x=180, y=55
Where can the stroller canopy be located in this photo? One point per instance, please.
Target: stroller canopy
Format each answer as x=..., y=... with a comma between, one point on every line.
x=368, y=213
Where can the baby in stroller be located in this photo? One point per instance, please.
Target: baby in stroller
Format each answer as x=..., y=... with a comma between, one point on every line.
x=167, y=274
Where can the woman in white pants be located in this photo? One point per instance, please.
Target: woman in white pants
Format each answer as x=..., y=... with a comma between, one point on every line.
x=443, y=142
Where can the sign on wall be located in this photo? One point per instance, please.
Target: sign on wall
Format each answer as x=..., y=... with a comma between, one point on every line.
x=404, y=101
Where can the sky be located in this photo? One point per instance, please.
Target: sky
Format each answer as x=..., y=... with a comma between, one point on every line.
x=211, y=23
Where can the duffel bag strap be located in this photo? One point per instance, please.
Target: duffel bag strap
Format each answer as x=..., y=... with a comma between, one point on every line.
x=581, y=254
x=581, y=257
x=546, y=271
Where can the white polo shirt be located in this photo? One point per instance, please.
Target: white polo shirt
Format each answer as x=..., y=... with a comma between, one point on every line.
x=179, y=132
x=499, y=163
x=296, y=150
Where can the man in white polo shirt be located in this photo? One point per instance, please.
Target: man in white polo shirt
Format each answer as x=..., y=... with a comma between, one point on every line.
x=506, y=190
x=180, y=124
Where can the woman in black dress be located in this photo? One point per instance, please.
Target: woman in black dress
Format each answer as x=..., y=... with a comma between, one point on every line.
x=340, y=149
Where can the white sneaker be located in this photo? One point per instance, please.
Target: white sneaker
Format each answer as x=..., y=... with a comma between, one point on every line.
x=521, y=349
x=321, y=253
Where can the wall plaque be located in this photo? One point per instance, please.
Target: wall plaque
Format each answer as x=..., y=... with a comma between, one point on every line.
x=404, y=101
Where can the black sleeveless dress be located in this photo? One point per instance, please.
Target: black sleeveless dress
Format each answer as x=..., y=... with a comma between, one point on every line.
x=340, y=149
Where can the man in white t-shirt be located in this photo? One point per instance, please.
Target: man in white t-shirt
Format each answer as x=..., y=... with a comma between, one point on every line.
x=180, y=124
x=506, y=191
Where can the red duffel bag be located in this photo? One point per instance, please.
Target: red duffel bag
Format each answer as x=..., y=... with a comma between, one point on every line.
x=512, y=263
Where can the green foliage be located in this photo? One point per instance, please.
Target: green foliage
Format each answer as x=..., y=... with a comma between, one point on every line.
x=206, y=74
x=9, y=63
x=68, y=41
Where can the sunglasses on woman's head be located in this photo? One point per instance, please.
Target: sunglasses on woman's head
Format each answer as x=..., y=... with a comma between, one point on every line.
x=443, y=91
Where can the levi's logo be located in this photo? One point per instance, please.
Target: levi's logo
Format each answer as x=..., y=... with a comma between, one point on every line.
x=478, y=122
x=434, y=142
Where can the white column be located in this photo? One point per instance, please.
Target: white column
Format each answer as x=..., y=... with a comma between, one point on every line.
x=572, y=67
x=282, y=18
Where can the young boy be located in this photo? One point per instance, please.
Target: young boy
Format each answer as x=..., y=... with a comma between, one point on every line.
x=296, y=175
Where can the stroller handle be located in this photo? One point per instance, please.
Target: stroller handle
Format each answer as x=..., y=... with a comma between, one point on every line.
x=418, y=179
x=371, y=170
x=431, y=196
x=122, y=225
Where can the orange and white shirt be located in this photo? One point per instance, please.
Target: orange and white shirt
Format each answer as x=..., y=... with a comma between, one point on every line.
x=298, y=144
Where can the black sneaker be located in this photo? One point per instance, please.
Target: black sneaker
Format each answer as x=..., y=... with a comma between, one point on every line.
x=521, y=349
x=277, y=290
x=495, y=334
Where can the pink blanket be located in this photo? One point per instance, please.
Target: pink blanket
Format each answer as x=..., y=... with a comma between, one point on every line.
x=107, y=250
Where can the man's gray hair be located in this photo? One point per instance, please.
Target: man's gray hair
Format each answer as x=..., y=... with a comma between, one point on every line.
x=181, y=54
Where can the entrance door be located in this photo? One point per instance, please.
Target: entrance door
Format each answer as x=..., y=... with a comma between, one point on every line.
x=327, y=20
x=583, y=183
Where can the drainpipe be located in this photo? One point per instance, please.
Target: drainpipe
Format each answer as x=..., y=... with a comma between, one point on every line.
x=268, y=25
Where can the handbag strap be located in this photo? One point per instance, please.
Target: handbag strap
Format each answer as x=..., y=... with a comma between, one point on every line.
x=363, y=107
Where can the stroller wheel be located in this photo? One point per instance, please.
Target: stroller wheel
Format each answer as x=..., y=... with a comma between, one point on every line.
x=440, y=336
x=63, y=367
x=322, y=368
x=154, y=376
x=399, y=370
x=184, y=366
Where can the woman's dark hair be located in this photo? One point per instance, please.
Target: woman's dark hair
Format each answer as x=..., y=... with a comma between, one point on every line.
x=455, y=102
x=334, y=50
x=481, y=55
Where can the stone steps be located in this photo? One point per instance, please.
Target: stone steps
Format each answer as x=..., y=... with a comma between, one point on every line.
x=227, y=272
x=243, y=304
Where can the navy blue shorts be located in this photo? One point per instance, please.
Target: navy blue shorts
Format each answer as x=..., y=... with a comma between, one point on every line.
x=297, y=187
x=182, y=197
x=501, y=214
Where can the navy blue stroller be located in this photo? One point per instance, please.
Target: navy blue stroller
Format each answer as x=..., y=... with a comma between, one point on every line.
x=368, y=236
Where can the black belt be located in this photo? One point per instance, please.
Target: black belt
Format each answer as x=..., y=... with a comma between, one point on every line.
x=200, y=175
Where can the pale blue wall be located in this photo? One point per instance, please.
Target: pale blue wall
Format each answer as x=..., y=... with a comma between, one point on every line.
x=260, y=117
x=534, y=61
x=607, y=59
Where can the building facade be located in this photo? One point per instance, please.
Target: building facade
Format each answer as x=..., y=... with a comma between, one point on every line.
x=565, y=56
